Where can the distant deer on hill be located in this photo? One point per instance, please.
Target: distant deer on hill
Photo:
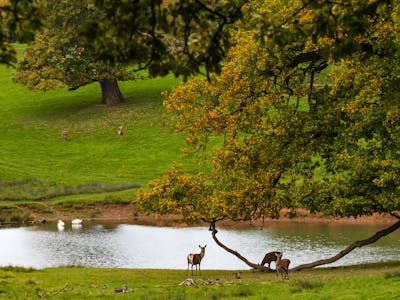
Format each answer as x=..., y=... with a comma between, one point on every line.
x=120, y=131
x=64, y=134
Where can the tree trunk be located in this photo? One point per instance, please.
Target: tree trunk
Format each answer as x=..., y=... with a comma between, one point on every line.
x=332, y=259
x=237, y=254
x=350, y=248
x=111, y=94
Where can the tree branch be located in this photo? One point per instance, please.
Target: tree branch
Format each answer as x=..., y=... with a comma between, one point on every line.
x=210, y=10
x=351, y=247
x=237, y=254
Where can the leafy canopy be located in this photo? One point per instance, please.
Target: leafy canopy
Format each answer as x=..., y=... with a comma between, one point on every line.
x=179, y=36
x=18, y=20
x=307, y=112
x=59, y=56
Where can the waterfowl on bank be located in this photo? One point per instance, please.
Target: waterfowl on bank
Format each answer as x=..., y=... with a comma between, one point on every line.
x=60, y=225
x=76, y=221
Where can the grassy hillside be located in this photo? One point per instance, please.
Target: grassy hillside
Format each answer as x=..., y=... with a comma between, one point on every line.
x=374, y=281
x=36, y=164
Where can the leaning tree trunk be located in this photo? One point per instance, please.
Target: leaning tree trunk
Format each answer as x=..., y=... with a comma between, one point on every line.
x=237, y=254
x=351, y=247
x=330, y=260
x=111, y=94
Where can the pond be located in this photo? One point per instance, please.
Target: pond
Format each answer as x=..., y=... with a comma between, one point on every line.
x=137, y=246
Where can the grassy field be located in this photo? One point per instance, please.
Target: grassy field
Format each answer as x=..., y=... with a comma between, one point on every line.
x=374, y=281
x=93, y=164
x=32, y=122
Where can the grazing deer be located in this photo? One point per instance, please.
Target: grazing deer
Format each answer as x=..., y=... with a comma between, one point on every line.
x=269, y=257
x=120, y=131
x=64, y=134
x=195, y=259
x=282, y=266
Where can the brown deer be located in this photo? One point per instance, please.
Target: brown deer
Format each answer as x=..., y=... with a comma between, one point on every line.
x=120, y=131
x=64, y=134
x=282, y=266
x=269, y=257
x=195, y=259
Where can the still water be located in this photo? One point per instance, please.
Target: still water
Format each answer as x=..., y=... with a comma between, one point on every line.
x=137, y=246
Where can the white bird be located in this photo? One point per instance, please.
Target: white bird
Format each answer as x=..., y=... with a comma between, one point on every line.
x=60, y=225
x=76, y=221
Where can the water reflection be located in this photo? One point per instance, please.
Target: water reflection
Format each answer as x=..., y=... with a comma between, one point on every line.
x=135, y=246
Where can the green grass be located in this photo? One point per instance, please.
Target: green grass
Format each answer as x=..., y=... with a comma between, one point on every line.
x=36, y=165
x=374, y=281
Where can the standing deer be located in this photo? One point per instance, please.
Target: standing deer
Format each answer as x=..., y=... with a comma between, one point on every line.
x=269, y=257
x=64, y=134
x=282, y=265
x=120, y=131
x=195, y=259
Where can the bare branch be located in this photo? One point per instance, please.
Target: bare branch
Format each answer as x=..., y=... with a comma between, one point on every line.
x=395, y=214
x=237, y=254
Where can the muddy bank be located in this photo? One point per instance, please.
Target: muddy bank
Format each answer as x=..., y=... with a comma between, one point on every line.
x=129, y=213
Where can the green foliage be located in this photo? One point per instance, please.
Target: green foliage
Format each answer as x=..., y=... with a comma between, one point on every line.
x=307, y=112
x=178, y=36
x=59, y=57
x=18, y=20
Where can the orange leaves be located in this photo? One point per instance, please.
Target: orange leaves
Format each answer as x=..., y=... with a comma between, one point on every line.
x=192, y=104
x=308, y=117
x=305, y=16
x=392, y=120
x=176, y=192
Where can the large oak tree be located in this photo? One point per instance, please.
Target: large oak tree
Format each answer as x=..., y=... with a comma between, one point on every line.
x=184, y=37
x=305, y=114
x=60, y=57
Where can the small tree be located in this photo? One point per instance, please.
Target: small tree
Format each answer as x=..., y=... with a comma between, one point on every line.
x=307, y=116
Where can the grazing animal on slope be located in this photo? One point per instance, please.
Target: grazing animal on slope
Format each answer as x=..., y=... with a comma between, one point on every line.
x=282, y=266
x=64, y=134
x=269, y=257
x=120, y=131
x=195, y=259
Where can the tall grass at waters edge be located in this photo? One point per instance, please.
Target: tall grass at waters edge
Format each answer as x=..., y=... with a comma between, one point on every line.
x=36, y=164
x=372, y=281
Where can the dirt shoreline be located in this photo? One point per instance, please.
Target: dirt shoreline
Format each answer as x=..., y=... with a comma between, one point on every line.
x=129, y=213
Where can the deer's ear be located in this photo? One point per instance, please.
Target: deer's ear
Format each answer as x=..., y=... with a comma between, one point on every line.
x=205, y=246
x=199, y=246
